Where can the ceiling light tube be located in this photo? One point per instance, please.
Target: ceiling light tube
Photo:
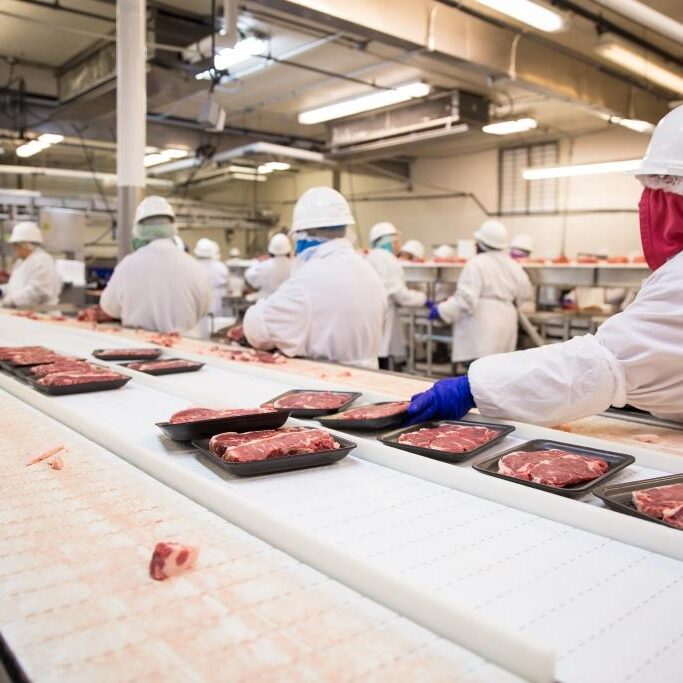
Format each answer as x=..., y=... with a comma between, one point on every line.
x=531, y=13
x=244, y=50
x=50, y=138
x=600, y=168
x=248, y=176
x=632, y=124
x=629, y=57
x=276, y=166
x=356, y=105
x=510, y=127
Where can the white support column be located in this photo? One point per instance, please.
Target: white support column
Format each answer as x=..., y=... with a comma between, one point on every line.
x=131, y=113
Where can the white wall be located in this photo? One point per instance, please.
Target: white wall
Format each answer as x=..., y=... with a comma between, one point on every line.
x=601, y=211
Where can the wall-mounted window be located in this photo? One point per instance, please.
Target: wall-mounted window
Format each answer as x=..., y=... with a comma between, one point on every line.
x=519, y=196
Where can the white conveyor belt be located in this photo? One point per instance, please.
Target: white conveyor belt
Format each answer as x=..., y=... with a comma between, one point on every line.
x=520, y=571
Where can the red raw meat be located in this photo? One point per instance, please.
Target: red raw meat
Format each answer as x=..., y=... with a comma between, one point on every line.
x=245, y=355
x=121, y=353
x=68, y=364
x=34, y=356
x=450, y=438
x=553, y=467
x=661, y=502
x=94, y=314
x=31, y=315
x=373, y=412
x=313, y=399
x=172, y=364
x=272, y=443
x=171, y=558
x=6, y=352
x=67, y=378
x=199, y=414
x=168, y=340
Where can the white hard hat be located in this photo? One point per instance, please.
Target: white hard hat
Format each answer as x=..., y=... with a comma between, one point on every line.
x=492, y=234
x=321, y=207
x=26, y=231
x=445, y=251
x=234, y=252
x=522, y=241
x=380, y=230
x=664, y=154
x=153, y=206
x=279, y=245
x=206, y=248
x=415, y=248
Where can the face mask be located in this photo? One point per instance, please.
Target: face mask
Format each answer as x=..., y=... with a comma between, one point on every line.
x=138, y=242
x=661, y=226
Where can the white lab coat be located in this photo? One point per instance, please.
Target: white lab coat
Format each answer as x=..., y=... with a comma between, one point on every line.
x=389, y=269
x=634, y=358
x=158, y=287
x=332, y=307
x=218, y=274
x=33, y=282
x=483, y=309
x=267, y=275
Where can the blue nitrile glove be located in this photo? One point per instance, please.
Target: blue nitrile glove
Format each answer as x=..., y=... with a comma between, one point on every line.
x=448, y=399
x=433, y=311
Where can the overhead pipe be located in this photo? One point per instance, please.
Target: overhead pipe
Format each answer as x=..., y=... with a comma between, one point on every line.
x=647, y=17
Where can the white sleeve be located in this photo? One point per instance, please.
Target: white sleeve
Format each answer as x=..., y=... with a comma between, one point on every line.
x=409, y=297
x=110, y=301
x=38, y=288
x=466, y=297
x=281, y=320
x=549, y=385
x=254, y=275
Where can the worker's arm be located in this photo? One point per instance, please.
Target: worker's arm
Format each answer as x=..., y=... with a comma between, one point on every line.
x=37, y=289
x=110, y=301
x=466, y=297
x=409, y=298
x=254, y=274
x=281, y=320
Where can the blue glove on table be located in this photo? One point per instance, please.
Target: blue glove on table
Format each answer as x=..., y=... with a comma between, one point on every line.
x=448, y=399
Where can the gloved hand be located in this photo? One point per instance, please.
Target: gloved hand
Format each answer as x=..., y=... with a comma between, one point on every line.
x=433, y=311
x=448, y=399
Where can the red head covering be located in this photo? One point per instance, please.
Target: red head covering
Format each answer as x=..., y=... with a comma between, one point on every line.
x=661, y=226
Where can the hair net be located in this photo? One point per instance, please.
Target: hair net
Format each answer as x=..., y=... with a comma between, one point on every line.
x=154, y=228
x=667, y=183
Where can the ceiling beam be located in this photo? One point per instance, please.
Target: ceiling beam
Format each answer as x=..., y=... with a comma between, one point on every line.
x=493, y=50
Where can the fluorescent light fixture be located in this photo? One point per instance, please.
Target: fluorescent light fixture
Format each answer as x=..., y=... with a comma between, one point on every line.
x=228, y=57
x=50, y=138
x=528, y=12
x=31, y=148
x=510, y=127
x=164, y=155
x=632, y=124
x=275, y=166
x=600, y=168
x=356, y=105
x=630, y=57
x=248, y=176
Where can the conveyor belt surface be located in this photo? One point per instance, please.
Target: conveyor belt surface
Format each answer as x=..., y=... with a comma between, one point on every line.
x=78, y=605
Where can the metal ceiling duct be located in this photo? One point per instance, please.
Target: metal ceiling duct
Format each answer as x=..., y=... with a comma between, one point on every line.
x=647, y=17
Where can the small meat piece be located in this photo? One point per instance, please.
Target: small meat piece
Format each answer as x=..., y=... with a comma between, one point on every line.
x=94, y=314
x=450, y=438
x=171, y=558
x=67, y=378
x=661, y=502
x=171, y=364
x=274, y=443
x=553, y=467
x=115, y=354
x=318, y=400
x=647, y=438
x=374, y=412
x=59, y=366
x=246, y=355
x=56, y=463
x=166, y=340
x=45, y=455
x=200, y=414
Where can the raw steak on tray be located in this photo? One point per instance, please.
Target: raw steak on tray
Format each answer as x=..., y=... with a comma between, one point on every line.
x=200, y=414
x=553, y=467
x=661, y=502
x=373, y=412
x=313, y=400
x=450, y=438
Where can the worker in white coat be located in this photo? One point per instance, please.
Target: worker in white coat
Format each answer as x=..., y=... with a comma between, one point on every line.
x=333, y=305
x=34, y=280
x=158, y=287
x=267, y=275
x=412, y=250
x=384, y=240
x=483, y=310
x=208, y=254
x=634, y=358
